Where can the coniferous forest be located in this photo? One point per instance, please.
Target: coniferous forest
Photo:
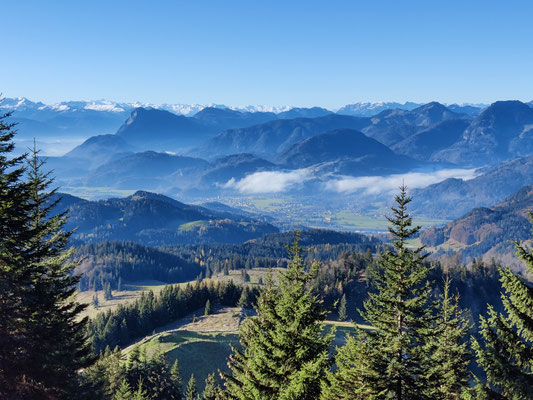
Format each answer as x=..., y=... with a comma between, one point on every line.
x=420, y=329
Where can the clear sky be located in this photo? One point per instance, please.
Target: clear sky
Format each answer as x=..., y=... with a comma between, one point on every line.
x=301, y=53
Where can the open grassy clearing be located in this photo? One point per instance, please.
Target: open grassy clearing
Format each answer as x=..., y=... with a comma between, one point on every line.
x=202, y=344
x=222, y=319
x=131, y=292
x=449, y=245
x=203, y=353
x=413, y=243
x=198, y=353
x=360, y=222
x=189, y=226
x=256, y=276
x=426, y=222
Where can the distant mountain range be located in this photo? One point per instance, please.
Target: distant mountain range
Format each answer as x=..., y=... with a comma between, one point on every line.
x=211, y=149
x=392, y=126
x=370, y=109
x=161, y=130
x=431, y=132
x=154, y=219
x=487, y=232
x=88, y=118
x=158, y=150
x=33, y=109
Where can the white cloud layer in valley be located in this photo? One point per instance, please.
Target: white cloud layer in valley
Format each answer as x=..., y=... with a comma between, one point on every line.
x=269, y=181
x=390, y=183
x=282, y=181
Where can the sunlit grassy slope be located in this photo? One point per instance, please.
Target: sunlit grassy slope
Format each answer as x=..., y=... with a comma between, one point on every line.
x=203, y=346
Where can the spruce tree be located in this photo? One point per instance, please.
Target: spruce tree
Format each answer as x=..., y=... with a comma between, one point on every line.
x=124, y=391
x=211, y=388
x=108, y=294
x=342, y=308
x=43, y=343
x=354, y=376
x=284, y=349
x=244, y=300
x=450, y=354
x=390, y=361
x=207, y=309
x=177, y=383
x=191, y=393
x=135, y=365
x=505, y=352
x=57, y=343
x=14, y=209
x=157, y=375
x=114, y=371
x=140, y=393
x=94, y=381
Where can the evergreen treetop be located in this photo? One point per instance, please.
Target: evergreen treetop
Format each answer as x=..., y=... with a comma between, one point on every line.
x=399, y=308
x=176, y=380
x=389, y=361
x=211, y=389
x=124, y=391
x=285, y=351
x=506, y=350
x=449, y=349
x=14, y=211
x=342, y=308
x=191, y=393
x=44, y=343
x=207, y=308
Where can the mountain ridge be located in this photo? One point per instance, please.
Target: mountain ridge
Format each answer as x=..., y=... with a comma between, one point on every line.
x=487, y=231
x=454, y=197
x=345, y=146
x=154, y=219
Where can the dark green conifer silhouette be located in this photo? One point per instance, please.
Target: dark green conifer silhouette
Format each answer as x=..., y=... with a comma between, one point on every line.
x=191, y=393
x=284, y=349
x=506, y=350
x=390, y=361
x=43, y=342
x=342, y=308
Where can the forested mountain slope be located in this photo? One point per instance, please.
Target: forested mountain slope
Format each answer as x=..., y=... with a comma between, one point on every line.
x=487, y=232
x=154, y=219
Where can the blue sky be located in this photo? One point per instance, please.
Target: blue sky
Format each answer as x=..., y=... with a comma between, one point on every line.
x=302, y=53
